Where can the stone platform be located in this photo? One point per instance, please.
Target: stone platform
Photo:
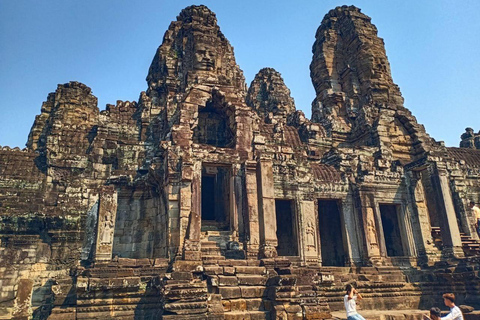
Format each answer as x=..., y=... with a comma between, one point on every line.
x=397, y=315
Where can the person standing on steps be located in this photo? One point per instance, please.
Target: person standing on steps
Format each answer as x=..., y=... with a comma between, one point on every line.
x=350, y=301
x=476, y=214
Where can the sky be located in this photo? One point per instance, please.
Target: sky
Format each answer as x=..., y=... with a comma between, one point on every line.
x=433, y=48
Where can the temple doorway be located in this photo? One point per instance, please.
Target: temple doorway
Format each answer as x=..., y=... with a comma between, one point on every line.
x=331, y=237
x=286, y=230
x=391, y=229
x=215, y=198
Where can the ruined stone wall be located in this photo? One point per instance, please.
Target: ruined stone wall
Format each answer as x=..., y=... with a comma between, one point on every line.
x=470, y=139
x=136, y=227
x=102, y=215
x=50, y=190
x=463, y=166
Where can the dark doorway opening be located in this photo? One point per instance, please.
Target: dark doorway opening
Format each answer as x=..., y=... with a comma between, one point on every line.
x=391, y=230
x=331, y=239
x=208, y=198
x=215, y=198
x=286, y=231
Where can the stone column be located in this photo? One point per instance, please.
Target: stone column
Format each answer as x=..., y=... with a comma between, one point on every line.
x=233, y=209
x=353, y=243
x=23, y=302
x=379, y=226
x=452, y=242
x=371, y=228
x=308, y=231
x=172, y=188
x=107, y=214
x=253, y=240
x=409, y=243
x=268, y=221
x=191, y=209
x=421, y=229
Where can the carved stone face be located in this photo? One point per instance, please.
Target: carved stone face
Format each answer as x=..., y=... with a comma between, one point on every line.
x=204, y=57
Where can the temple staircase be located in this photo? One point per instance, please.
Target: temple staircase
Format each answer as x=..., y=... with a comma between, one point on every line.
x=471, y=247
x=219, y=245
x=240, y=288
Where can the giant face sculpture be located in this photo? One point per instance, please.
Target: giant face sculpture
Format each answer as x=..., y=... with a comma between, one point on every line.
x=205, y=56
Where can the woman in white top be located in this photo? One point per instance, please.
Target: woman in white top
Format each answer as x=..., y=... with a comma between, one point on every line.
x=350, y=301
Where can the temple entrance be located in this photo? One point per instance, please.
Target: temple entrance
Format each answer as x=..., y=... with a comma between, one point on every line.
x=331, y=238
x=391, y=230
x=286, y=230
x=215, y=198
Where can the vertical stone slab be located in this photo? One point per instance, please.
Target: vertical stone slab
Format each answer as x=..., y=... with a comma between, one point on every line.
x=420, y=222
x=353, y=243
x=407, y=233
x=268, y=221
x=172, y=189
x=191, y=210
x=22, y=309
x=233, y=203
x=371, y=228
x=253, y=242
x=308, y=231
x=452, y=242
x=107, y=214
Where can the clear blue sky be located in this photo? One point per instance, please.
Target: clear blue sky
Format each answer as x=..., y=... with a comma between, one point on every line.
x=433, y=48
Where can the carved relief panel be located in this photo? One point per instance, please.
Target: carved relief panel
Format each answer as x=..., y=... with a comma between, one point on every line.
x=107, y=214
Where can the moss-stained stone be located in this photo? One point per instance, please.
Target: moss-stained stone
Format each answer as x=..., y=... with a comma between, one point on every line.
x=189, y=203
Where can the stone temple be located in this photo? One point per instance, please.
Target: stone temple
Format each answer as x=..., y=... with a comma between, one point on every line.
x=208, y=199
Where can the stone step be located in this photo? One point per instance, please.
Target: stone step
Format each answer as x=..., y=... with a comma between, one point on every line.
x=250, y=270
x=212, y=259
x=217, y=233
x=247, y=315
x=209, y=244
x=243, y=304
x=186, y=317
x=208, y=251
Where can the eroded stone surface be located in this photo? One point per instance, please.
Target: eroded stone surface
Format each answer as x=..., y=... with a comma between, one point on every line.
x=205, y=200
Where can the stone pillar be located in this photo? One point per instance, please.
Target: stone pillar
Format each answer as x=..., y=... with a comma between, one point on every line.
x=266, y=204
x=407, y=221
x=253, y=240
x=308, y=231
x=379, y=226
x=371, y=229
x=452, y=242
x=107, y=215
x=421, y=229
x=22, y=309
x=191, y=210
x=353, y=243
x=233, y=209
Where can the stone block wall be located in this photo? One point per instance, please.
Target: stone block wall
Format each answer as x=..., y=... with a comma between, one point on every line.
x=101, y=216
x=136, y=228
